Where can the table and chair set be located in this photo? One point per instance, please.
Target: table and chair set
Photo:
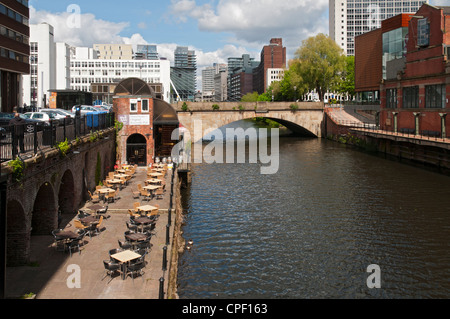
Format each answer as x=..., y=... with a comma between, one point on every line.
x=129, y=258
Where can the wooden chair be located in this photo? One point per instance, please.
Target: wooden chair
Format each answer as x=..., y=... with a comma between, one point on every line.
x=135, y=206
x=98, y=227
x=133, y=213
x=94, y=198
x=147, y=195
x=154, y=214
x=79, y=225
x=110, y=197
x=159, y=193
x=136, y=194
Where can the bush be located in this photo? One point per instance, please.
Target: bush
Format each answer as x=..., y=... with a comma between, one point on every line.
x=215, y=107
x=184, y=107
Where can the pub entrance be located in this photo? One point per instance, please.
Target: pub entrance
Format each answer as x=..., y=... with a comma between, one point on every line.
x=137, y=150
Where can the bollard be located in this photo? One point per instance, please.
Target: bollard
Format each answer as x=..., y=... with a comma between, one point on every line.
x=167, y=234
x=164, y=265
x=161, y=288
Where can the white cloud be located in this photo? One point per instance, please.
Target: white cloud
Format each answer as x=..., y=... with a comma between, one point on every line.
x=257, y=21
x=90, y=30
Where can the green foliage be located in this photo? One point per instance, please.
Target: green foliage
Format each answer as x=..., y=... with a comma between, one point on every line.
x=347, y=84
x=250, y=97
x=184, y=107
x=93, y=137
x=118, y=126
x=64, y=148
x=319, y=63
x=241, y=108
x=215, y=107
x=18, y=168
x=293, y=107
x=98, y=170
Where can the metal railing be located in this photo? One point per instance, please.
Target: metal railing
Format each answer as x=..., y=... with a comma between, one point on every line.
x=410, y=133
x=37, y=137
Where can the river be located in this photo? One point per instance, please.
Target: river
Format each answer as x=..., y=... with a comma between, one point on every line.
x=313, y=229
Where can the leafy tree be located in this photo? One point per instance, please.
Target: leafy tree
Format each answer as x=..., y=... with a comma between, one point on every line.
x=319, y=63
x=250, y=97
x=347, y=85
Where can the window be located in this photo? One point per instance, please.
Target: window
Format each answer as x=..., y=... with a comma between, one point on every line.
x=435, y=96
x=423, y=33
x=411, y=97
x=133, y=106
x=145, y=106
x=391, y=98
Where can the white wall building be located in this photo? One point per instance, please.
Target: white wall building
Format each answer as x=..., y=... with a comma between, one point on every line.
x=83, y=72
x=349, y=18
x=274, y=75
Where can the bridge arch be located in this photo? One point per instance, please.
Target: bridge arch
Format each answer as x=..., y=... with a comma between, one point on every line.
x=208, y=124
x=44, y=217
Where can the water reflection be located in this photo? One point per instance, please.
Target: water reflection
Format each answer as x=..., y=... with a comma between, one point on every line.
x=312, y=229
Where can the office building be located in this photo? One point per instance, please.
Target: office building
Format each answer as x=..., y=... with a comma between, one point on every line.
x=209, y=80
x=49, y=66
x=14, y=52
x=114, y=51
x=350, y=18
x=184, y=74
x=273, y=56
x=415, y=94
x=240, y=76
x=146, y=52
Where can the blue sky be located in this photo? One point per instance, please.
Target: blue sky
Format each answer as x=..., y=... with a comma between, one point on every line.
x=215, y=29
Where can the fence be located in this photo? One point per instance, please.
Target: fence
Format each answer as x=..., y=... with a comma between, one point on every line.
x=411, y=133
x=39, y=136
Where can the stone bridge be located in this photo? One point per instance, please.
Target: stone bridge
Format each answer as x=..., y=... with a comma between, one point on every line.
x=52, y=184
x=303, y=118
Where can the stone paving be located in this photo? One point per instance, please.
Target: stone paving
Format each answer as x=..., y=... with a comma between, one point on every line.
x=50, y=271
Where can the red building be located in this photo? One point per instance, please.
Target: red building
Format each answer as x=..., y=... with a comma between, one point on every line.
x=415, y=94
x=273, y=56
x=148, y=123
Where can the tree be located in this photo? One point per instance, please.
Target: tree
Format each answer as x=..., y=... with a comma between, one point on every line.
x=347, y=85
x=320, y=63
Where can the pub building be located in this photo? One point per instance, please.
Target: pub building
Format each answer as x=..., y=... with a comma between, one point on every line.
x=148, y=123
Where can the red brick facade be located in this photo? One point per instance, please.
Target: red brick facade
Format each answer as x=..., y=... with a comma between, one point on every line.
x=426, y=68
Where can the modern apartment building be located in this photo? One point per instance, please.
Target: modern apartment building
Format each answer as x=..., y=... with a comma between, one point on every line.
x=14, y=51
x=350, y=18
x=273, y=56
x=184, y=74
x=114, y=51
x=210, y=83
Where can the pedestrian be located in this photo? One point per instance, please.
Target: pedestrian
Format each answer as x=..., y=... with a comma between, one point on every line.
x=18, y=125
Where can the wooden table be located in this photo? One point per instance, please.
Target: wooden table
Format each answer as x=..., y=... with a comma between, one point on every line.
x=146, y=208
x=120, y=175
x=124, y=257
x=68, y=234
x=155, y=174
x=89, y=220
x=151, y=187
x=154, y=181
x=106, y=190
x=136, y=237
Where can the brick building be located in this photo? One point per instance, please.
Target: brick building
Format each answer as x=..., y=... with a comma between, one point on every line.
x=273, y=56
x=14, y=51
x=148, y=123
x=415, y=94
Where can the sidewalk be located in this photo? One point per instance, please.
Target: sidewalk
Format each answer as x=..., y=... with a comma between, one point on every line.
x=49, y=271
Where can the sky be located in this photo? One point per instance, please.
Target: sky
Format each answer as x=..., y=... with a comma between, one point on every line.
x=215, y=29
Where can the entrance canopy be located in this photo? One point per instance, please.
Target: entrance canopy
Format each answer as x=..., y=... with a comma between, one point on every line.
x=164, y=113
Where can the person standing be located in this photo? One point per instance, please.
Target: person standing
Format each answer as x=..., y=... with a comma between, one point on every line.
x=17, y=124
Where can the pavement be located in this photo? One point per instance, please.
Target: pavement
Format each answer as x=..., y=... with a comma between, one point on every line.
x=54, y=274
x=340, y=116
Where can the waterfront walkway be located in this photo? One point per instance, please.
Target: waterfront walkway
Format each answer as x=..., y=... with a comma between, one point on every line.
x=49, y=270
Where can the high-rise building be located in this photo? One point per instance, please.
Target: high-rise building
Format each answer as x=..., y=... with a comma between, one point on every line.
x=114, y=51
x=14, y=51
x=273, y=56
x=209, y=81
x=146, y=52
x=240, y=76
x=49, y=66
x=184, y=74
x=350, y=18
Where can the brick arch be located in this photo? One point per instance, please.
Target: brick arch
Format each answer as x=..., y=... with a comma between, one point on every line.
x=18, y=235
x=66, y=198
x=44, y=217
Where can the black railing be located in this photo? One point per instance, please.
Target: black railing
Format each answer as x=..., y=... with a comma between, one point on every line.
x=411, y=133
x=37, y=137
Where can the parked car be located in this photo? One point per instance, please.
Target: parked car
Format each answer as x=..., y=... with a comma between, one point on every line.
x=6, y=117
x=84, y=109
x=43, y=117
x=59, y=113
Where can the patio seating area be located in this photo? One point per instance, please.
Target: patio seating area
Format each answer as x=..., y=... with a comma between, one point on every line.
x=115, y=239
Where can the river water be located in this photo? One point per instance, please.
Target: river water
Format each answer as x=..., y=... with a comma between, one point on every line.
x=313, y=229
